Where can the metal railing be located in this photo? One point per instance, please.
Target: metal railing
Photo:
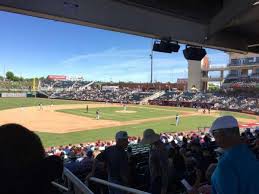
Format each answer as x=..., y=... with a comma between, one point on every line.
x=59, y=186
x=116, y=186
x=75, y=184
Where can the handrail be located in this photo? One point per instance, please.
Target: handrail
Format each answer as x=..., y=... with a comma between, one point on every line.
x=77, y=182
x=59, y=186
x=124, y=188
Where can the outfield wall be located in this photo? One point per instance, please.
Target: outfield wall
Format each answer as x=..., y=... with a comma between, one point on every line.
x=13, y=95
x=17, y=94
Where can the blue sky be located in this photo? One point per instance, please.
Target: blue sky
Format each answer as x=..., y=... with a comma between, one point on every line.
x=33, y=47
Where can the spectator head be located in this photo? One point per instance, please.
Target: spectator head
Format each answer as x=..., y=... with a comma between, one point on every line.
x=20, y=168
x=150, y=137
x=89, y=154
x=195, y=147
x=226, y=131
x=72, y=156
x=121, y=138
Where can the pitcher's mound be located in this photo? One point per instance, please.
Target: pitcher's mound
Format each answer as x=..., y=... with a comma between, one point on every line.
x=125, y=111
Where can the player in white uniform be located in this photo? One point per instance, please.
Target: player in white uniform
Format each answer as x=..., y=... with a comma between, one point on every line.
x=177, y=119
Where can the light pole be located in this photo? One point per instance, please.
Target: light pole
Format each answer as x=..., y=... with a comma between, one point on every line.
x=4, y=73
x=151, y=66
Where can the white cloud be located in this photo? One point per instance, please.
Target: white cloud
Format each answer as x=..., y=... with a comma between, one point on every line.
x=110, y=53
x=128, y=65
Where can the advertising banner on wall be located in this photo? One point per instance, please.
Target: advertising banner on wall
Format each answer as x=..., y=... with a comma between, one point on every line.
x=13, y=95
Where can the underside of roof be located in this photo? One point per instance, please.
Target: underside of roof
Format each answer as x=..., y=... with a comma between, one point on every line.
x=230, y=25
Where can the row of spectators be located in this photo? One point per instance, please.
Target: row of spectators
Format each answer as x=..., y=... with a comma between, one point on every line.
x=224, y=101
x=126, y=96
x=15, y=85
x=243, y=81
x=67, y=85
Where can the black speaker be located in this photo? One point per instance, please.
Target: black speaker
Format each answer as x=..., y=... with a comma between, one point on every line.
x=165, y=47
x=194, y=53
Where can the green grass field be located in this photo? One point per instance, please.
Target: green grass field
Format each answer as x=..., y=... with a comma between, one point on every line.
x=237, y=114
x=7, y=103
x=186, y=123
x=109, y=113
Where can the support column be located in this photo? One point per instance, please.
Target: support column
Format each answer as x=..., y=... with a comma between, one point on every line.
x=194, y=75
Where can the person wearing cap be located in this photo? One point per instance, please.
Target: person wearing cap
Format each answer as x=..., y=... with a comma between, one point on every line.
x=237, y=169
x=116, y=160
x=73, y=165
x=158, y=162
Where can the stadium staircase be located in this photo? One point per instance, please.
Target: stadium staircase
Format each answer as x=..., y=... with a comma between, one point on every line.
x=152, y=97
x=42, y=94
x=72, y=87
x=86, y=86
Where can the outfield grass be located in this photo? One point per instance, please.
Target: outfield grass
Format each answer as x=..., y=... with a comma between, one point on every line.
x=186, y=123
x=109, y=113
x=7, y=103
x=171, y=108
x=237, y=115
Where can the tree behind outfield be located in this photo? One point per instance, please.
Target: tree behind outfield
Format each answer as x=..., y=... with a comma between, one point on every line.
x=10, y=75
x=213, y=88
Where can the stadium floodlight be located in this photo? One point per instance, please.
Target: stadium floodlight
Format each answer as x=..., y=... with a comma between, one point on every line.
x=166, y=46
x=194, y=53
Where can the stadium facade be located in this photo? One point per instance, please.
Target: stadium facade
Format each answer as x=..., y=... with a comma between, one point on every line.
x=242, y=72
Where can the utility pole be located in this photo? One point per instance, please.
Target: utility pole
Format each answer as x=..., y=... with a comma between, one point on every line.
x=4, y=73
x=151, y=67
x=151, y=62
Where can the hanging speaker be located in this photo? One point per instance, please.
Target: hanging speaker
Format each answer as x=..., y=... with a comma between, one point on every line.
x=194, y=53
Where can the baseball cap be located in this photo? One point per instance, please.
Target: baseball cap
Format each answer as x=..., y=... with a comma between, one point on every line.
x=224, y=122
x=121, y=135
x=150, y=137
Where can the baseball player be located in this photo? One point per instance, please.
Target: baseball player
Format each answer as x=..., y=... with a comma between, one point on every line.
x=97, y=114
x=177, y=119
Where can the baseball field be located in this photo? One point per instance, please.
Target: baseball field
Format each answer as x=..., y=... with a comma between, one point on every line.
x=60, y=122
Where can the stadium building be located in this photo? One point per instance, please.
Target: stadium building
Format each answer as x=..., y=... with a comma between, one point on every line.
x=242, y=72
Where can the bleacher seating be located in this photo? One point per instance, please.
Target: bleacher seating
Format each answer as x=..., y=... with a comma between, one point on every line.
x=15, y=85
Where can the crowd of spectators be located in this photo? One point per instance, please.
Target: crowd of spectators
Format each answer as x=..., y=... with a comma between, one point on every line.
x=223, y=101
x=15, y=85
x=240, y=102
x=192, y=156
x=118, y=96
x=221, y=159
x=67, y=85
x=242, y=79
